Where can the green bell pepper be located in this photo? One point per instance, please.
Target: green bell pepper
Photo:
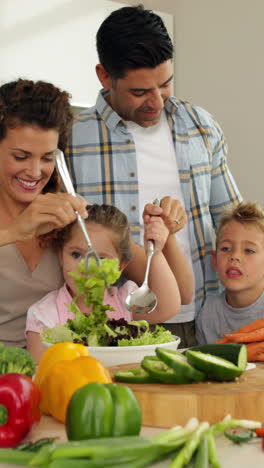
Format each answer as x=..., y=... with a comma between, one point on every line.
x=102, y=410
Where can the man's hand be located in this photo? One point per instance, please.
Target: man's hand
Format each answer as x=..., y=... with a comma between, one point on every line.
x=170, y=210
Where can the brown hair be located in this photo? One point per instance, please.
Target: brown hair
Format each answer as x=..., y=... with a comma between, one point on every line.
x=250, y=213
x=25, y=102
x=107, y=216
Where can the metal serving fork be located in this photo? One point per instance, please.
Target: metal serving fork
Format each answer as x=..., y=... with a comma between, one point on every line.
x=65, y=176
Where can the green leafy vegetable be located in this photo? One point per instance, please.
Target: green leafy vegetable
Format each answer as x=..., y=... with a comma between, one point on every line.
x=160, y=335
x=18, y=360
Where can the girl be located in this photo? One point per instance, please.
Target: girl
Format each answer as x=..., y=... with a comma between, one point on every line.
x=109, y=232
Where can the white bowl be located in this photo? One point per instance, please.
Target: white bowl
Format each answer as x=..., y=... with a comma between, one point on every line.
x=116, y=355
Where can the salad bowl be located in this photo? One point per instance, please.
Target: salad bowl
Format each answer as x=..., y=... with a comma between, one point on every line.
x=117, y=355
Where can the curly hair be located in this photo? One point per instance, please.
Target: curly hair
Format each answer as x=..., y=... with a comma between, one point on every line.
x=25, y=102
x=107, y=216
x=246, y=213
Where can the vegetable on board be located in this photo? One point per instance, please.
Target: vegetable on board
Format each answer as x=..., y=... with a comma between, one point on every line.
x=19, y=407
x=18, y=360
x=179, y=363
x=215, y=367
x=252, y=335
x=234, y=352
x=161, y=372
x=102, y=410
x=249, y=337
x=64, y=378
x=135, y=375
x=250, y=327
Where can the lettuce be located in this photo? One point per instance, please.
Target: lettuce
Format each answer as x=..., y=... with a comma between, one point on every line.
x=159, y=336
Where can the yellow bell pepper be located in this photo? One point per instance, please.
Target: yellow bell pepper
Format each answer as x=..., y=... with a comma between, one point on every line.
x=64, y=378
x=55, y=353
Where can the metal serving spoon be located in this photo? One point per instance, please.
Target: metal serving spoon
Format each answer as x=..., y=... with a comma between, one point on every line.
x=65, y=176
x=143, y=300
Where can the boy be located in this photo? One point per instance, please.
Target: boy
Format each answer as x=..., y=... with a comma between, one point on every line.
x=239, y=262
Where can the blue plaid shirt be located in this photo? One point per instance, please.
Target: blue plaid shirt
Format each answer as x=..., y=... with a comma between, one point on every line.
x=102, y=160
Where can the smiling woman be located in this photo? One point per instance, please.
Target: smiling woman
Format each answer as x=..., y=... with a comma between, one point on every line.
x=34, y=122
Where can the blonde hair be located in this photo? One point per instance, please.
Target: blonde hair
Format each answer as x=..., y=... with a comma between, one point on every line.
x=107, y=216
x=250, y=213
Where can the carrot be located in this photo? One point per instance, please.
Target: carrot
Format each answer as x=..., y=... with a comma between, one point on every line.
x=255, y=351
x=249, y=337
x=260, y=357
x=223, y=340
x=251, y=326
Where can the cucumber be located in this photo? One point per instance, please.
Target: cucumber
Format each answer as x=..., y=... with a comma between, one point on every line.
x=158, y=370
x=178, y=362
x=215, y=367
x=234, y=352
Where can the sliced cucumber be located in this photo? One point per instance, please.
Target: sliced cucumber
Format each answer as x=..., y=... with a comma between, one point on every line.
x=234, y=352
x=178, y=362
x=215, y=367
x=161, y=372
x=135, y=375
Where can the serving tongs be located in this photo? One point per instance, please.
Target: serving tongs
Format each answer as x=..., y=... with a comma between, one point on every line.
x=65, y=177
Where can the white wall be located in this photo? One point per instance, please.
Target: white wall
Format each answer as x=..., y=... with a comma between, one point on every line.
x=54, y=41
x=220, y=66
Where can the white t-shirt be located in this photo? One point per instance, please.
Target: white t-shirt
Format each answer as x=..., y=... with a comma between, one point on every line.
x=158, y=176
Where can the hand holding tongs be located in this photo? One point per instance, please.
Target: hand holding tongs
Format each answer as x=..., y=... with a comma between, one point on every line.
x=65, y=176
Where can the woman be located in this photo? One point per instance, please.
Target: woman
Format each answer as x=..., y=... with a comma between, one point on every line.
x=34, y=121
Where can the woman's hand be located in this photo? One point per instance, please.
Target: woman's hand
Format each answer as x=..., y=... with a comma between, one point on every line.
x=47, y=212
x=170, y=210
x=155, y=229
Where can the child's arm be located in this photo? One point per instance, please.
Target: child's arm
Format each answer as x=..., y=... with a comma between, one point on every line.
x=35, y=345
x=174, y=217
x=161, y=278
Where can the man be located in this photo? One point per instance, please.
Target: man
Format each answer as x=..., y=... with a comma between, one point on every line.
x=138, y=143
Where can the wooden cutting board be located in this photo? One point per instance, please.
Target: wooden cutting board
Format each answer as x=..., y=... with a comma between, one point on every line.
x=165, y=405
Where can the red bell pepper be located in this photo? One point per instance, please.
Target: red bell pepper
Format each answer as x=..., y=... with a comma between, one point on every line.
x=19, y=407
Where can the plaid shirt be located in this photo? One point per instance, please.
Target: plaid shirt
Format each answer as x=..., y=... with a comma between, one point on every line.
x=103, y=164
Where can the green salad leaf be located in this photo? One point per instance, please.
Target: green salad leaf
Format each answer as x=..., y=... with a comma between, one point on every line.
x=160, y=335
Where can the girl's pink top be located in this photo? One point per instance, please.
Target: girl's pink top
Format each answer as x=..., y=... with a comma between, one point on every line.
x=52, y=308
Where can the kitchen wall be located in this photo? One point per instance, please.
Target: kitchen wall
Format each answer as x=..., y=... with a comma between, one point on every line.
x=219, y=65
x=55, y=41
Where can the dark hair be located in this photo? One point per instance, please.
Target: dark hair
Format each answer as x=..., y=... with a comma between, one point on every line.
x=107, y=216
x=25, y=102
x=130, y=38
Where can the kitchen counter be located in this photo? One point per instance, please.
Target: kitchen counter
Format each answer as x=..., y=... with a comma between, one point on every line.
x=230, y=455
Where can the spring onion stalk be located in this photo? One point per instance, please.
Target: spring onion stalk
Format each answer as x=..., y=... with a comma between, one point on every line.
x=177, y=432
x=184, y=456
x=201, y=457
x=213, y=459
x=15, y=457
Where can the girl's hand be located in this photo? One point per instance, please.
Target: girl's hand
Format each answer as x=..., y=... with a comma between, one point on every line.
x=47, y=212
x=156, y=230
x=170, y=210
